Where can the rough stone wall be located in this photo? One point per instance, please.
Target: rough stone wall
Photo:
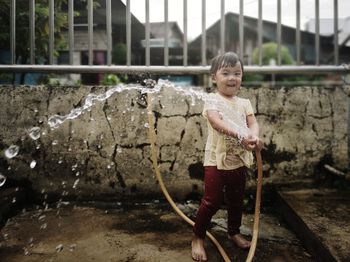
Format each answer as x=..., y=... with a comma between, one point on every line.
x=107, y=148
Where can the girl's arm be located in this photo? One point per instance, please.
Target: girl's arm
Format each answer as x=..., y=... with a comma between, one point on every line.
x=254, y=127
x=219, y=125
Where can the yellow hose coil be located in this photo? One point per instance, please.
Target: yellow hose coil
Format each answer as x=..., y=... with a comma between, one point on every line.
x=152, y=139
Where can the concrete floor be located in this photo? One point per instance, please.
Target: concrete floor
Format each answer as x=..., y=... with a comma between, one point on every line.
x=320, y=217
x=134, y=232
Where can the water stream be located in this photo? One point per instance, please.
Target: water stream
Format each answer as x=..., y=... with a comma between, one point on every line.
x=150, y=86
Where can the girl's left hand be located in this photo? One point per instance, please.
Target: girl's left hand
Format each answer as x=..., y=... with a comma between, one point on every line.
x=258, y=143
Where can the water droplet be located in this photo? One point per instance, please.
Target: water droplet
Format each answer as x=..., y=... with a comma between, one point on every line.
x=55, y=121
x=119, y=149
x=32, y=164
x=34, y=133
x=146, y=125
x=72, y=247
x=108, y=166
x=30, y=240
x=26, y=252
x=12, y=151
x=74, y=167
x=59, y=248
x=42, y=217
x=2, y=179
x=76, y=183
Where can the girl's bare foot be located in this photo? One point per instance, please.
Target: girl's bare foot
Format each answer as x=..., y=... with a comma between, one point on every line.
x=198, y=252
x=240, y=241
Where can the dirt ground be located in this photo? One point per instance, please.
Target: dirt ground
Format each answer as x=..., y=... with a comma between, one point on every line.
x=137, y=232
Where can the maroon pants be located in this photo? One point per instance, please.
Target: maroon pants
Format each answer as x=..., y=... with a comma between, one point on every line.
x=215, y=181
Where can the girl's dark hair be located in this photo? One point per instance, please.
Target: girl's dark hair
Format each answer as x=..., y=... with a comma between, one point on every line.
x=229, y=59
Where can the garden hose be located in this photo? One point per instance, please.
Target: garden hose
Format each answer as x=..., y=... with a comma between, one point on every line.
x=257, y=207
x=152, y=139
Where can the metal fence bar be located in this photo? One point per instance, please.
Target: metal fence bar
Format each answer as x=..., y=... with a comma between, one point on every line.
x=297, y=33
x=109, y=31
x=147, y=34
x=90, y=31
x=128, y=33
x=71, y=30
x=336, y=47
x=317, y=30
x=222, y=27
x=166, y=35
x=260, y=30
x=51, y=30
x=204, y=34
x=13, y=31
x=241, y=30
x=51, y=8
x=32, y=31
x=321, y=69
x=185, y=58
x=279, y=33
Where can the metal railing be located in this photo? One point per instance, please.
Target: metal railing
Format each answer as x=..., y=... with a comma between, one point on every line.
x=166, y=69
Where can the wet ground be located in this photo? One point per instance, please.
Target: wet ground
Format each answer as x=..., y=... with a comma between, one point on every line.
x=131, y=232
x=320, y=217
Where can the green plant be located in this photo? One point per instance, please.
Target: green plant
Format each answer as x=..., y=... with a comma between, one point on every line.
x=119, y=54
x=110, y=79
x=269, y=52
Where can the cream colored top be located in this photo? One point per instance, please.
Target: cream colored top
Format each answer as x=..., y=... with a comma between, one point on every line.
x=221, y=150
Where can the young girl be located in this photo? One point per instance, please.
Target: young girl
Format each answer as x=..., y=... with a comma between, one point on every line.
x=233, y=133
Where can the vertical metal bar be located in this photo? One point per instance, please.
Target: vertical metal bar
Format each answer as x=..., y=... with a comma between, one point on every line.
x=13, y=32
x=71, y=30
x=279, y=33
x=90, y=31
x=32, y=31
x=109, y=31
x=241, y=30
x=128, y=33
x=317, y=30
x=147, y=34
x=297, y=36
x=336, y=47
x=222, y=27
x=260, y=30
x=204, y=34
x=51, y=30
x=166, y=34
x=348, y=132
x=185, y=58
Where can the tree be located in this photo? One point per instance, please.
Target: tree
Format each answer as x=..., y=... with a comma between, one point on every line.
x=119, y=54
x=269, y=52
x=23, y=31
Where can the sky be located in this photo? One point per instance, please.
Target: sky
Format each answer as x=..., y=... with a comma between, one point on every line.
x=213, y=7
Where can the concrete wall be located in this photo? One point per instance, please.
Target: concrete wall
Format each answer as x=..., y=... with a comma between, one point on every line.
x=107, y=148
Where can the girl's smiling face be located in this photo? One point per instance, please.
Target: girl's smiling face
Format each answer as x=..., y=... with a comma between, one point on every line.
x=228, y=80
